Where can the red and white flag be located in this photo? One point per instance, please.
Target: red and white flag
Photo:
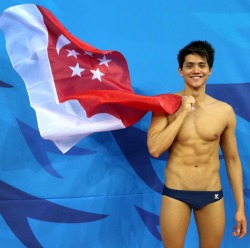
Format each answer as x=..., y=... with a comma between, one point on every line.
x=74, y=88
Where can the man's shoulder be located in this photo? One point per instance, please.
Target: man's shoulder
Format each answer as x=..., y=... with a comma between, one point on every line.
x=179, y=93
x=219, y=103
x=222, y=108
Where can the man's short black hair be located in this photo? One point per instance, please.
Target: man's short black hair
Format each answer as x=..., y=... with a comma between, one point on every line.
x=202, y=48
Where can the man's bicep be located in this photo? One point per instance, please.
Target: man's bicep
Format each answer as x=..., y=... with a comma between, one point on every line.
x=228, y=139
x=158, y=122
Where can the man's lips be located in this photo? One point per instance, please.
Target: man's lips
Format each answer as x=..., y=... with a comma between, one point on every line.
x=196, y=77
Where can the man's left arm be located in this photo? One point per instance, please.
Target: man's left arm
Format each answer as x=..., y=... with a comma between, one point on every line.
x=234, y=170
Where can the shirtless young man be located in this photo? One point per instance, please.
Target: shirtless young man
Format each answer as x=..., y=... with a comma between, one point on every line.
x=193, y=136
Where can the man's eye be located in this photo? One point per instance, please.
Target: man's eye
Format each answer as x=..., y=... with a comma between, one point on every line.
x=189, y=66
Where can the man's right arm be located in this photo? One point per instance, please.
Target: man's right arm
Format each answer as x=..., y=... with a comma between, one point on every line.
x=161, y=133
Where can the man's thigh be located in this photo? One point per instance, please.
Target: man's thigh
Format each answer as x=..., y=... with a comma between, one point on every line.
x=174, y=222
x=210, y=222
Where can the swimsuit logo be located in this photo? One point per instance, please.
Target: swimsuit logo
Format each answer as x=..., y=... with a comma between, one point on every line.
x=216, y=196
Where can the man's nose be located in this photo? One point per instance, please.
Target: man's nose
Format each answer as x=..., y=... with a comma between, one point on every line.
x=196, y=69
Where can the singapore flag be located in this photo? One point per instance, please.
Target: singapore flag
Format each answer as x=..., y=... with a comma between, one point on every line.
x=74, y=88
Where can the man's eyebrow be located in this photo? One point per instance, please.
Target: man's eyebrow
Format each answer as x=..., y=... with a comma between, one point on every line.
x=202, y=62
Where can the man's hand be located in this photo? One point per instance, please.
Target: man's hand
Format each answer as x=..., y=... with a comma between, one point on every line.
x=240, y=229
x=188, y=104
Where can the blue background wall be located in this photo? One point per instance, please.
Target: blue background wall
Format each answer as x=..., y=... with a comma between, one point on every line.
x=105, y=192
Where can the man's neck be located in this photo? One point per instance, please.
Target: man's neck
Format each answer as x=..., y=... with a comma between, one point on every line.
x=198, y=94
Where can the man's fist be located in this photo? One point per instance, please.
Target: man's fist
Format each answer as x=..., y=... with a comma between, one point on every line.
x=188, y=104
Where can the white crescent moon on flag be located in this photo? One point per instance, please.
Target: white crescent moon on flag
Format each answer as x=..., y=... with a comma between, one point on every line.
x=61, y=42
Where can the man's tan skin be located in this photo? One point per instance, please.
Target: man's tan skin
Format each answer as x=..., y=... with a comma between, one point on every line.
x=193, y=136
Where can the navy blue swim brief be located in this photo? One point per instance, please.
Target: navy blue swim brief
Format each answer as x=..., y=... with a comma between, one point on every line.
x=194, y=199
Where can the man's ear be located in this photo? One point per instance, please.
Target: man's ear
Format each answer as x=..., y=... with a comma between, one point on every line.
x=210, y=71
x=180, y=71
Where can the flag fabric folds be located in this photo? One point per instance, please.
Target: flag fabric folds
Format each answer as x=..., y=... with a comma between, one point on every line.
x=75, y=89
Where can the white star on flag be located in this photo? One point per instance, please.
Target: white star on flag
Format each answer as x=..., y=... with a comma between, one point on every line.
x=88, y=53
x=76, y=70
x=72, y=53
x=97, y=74
x=104, y=61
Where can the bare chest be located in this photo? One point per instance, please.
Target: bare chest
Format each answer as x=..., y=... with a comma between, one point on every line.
x=202, y=124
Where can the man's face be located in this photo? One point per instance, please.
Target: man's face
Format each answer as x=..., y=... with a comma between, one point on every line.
x=195, y=70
